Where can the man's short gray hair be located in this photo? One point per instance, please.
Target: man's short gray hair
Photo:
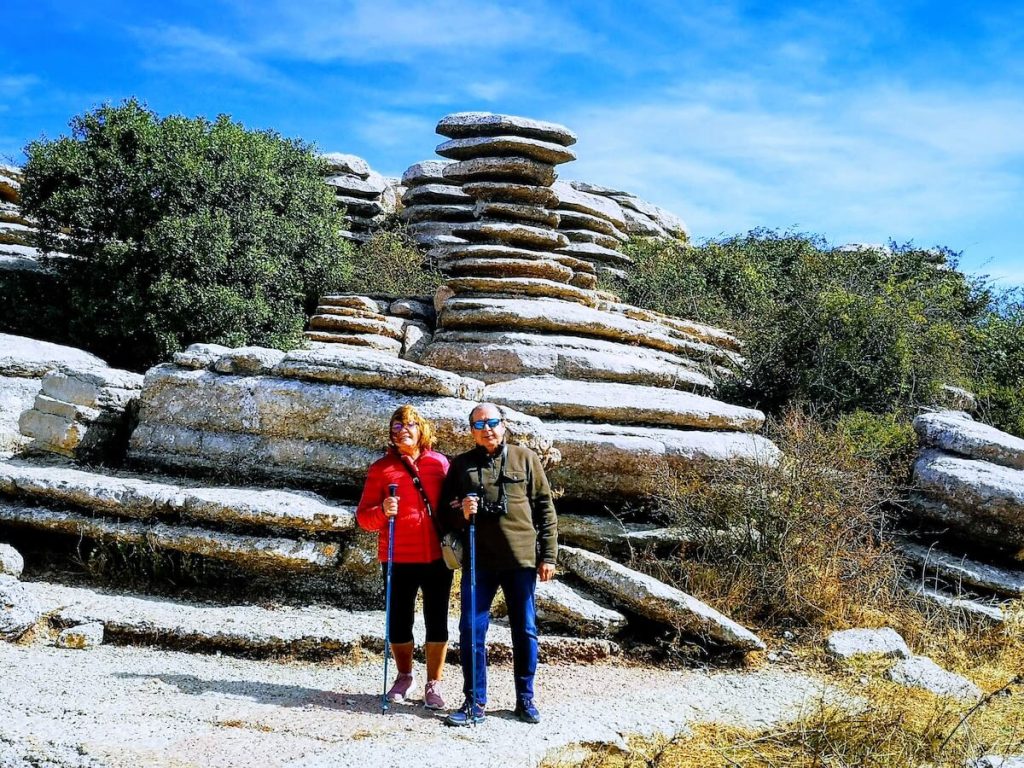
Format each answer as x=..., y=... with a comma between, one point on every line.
x=478, y=406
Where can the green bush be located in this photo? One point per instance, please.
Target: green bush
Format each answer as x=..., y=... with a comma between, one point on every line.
x=835, y=329
x=389, y=263
x=998, y=354
x=182, y=230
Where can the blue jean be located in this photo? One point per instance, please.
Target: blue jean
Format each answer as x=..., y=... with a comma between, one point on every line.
x=518, y=585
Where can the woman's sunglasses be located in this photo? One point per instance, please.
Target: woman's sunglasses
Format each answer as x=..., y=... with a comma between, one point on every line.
x=399, y=426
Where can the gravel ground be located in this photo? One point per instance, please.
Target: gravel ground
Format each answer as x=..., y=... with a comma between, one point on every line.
x=135, y=706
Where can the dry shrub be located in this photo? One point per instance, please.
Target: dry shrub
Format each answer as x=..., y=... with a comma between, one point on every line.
x=882, y=726
x=801, y=543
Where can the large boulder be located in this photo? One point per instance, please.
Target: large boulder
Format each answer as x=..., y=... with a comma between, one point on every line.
x=956, y=432
x=984, y=498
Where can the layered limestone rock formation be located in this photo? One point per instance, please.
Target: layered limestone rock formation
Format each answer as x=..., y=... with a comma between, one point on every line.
x=396, y=327
x=969, y=481
x=82, y=413
x=624, y=389
x=433, y=204
x=595, y=227
x=643, y=219
x=18, y=249
x=23, y=365
x=364, y=194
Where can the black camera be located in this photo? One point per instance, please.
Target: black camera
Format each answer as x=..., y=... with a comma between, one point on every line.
x=492, y=508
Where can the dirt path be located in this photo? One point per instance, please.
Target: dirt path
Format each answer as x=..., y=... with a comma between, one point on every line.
x=130, y=706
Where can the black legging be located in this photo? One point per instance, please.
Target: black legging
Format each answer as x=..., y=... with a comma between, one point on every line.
x=435, y=579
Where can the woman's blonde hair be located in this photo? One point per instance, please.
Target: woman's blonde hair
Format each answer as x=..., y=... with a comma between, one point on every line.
x=407, y=414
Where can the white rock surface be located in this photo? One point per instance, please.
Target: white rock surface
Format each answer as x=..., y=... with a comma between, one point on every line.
x=200, y=355
x=922, y=672
x=81, y=636
x=998, y=761
x=548, y=397
x=19, y=609
x=654, y=599
x=17, y=395
x=847, y=643
x=505, y=146
x=956, y=432
x=366, y=368
x=468, y=124
x=987, y=498
x=603, y=460
x=11, y=561
x=557, y=601
x=29, y=358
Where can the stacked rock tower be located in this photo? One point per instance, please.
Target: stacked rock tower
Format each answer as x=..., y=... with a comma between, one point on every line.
x=506, y=166
x=432, y=204
x=520, y=311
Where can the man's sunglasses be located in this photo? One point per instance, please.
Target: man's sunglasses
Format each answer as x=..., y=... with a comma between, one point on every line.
x=481, y=423
x=399, y=426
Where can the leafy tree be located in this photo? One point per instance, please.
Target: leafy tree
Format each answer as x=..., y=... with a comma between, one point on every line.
x=182, y=230
x=836, y=329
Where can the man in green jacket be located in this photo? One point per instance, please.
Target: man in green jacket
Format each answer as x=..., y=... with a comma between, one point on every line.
x=503, y=488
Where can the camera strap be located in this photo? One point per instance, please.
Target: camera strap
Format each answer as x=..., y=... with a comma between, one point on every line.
x=411, y=469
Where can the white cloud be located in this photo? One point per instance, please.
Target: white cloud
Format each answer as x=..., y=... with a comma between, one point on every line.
x=859, y=165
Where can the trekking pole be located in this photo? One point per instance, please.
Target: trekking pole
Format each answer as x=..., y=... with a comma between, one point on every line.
x=472, y=626
x=384, y=703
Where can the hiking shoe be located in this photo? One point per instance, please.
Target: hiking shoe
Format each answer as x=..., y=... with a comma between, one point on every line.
x=400, y=690
x=527, y=712
x=463, y=715
x=432, y=698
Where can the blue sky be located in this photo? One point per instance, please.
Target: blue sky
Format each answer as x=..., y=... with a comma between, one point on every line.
x=858, y=121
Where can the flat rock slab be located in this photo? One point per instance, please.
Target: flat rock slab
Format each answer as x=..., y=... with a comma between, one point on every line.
x=511, y=192
x=554, y=316
x=515, y=234
x=957, y=606
x=545, y=269
x=982, y=493
x=516, y=170
x=498, y=356
x=956, y=432
x=572, y=199
x=312, y=630
x=557, y=601
x=554, y=398
x=257, y=553
x=134, y=497
x=922, y=672
x=603, y=460
x=369, y=369
x=425, y=172
x=848, y=643
x=28, y=358
x=470, y=124
x=427, y=194
x=964, y=570
x=246, y=361
x=200, y=355
x=525, y=286
x=656, y=600
x=138, y=706
x=339, y=162
x=505, y=146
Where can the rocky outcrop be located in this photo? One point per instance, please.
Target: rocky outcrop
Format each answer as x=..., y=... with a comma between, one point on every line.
x=19, y=610
x=297, y=423
x=969, y=501
x=23, y=364
x=642, y=219
x=368, y=322
x=922, y=672
x=363, y=194
x=11, y=561
x=82, y=413
x=649, y=597
x=886, y=642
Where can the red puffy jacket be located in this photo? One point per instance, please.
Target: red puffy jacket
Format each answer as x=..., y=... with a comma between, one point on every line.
x=415, y=534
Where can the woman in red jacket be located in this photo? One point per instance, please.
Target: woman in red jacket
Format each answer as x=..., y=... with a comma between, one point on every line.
x=417, y=564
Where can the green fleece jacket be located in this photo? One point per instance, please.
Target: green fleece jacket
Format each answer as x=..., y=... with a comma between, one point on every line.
x=527, y=534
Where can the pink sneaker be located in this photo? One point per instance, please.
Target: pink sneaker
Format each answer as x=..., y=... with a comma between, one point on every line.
x=400, y=689
x=432, y=698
